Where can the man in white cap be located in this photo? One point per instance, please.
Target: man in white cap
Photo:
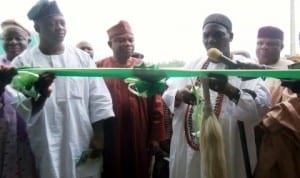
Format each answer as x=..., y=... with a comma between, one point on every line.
x=70, y=124
x=233, y=101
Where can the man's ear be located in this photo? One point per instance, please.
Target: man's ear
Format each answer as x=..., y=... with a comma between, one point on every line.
x=109, y=43
x=231, y=36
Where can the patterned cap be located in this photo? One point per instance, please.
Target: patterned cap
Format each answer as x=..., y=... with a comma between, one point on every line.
x=121, y=28
x=11, y=23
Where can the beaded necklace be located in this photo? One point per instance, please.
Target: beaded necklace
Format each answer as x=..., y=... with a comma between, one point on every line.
x=192, y=139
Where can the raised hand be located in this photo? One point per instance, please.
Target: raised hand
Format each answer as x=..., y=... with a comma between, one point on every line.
x=6, y=75
x=186, y=95
x=42, y=85
x=217, y=82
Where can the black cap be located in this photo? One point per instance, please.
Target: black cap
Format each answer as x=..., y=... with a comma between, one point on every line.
x=218, y=19
x=42, y=9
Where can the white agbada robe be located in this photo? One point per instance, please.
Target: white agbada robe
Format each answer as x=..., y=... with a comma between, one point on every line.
x=62, y=130
x=184, y=161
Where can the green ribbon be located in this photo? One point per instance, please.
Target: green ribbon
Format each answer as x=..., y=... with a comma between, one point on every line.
x=163, y=72
x=198, y=111
x=147, y=80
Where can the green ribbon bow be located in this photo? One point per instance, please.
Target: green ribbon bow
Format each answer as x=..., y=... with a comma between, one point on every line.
x=24, y=82
x=145, y=82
